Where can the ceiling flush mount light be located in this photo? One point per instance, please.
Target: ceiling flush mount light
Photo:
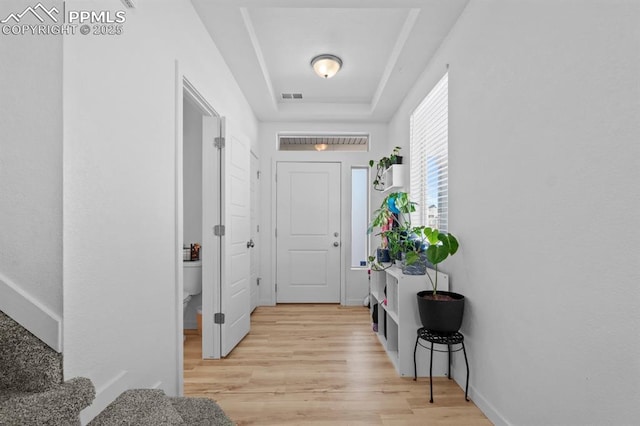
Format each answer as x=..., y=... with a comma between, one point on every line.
x=326, y=66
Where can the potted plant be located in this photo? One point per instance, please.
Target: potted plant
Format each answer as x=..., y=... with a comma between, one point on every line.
x=416, y=261
x=406, y=242
x=383, y=164
x=440, y=311
x=392, y=218
x=395, y=157
x=382, y=218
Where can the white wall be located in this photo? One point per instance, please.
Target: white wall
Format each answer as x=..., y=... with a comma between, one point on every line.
x=356, y=284
x=120, y=162
x=31, y=167
x=544, y=167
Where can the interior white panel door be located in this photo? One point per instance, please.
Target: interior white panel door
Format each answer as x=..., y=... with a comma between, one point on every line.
x=308, y=232
x=235, y=292
x=211, y=244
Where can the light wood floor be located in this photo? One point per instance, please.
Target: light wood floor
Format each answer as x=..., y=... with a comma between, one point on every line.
x=319, y=365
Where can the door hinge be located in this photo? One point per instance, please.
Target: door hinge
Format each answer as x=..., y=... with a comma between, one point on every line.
x=257, y=228
x=276, y=287
x=218, y=230
x=258, y=281
x=218, y=318
x=276, y=232
x=219, y=142
x=258, y=173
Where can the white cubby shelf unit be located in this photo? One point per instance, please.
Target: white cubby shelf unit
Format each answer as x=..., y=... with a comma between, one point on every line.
x=399, y=319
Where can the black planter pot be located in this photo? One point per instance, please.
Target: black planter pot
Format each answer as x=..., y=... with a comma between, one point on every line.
x=398, y=159
x=383, y=255
x=443, y=316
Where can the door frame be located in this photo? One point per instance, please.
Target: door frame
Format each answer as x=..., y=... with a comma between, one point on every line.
x=256, y=252
x=185, y=88
x=274, y=242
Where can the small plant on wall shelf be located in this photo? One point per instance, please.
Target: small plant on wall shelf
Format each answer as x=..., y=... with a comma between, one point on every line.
x=383, y=164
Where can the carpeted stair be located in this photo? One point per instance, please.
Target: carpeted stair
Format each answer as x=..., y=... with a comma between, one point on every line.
x=32, y=392
x=151, y=407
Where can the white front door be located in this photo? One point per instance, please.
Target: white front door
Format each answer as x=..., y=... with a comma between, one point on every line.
x=235, y=292
x=255, y=230
x=308, y=232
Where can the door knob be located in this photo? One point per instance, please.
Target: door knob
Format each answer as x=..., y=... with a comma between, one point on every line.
x=336, y=244
x=250, y=243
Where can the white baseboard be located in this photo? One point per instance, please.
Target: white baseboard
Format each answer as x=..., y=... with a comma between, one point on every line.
x=105, y=394
x=489, y=410
x=459, y=375
x=350, y=302
x=31, y=314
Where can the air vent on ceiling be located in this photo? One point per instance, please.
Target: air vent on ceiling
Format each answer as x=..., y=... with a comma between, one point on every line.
x=291, y=95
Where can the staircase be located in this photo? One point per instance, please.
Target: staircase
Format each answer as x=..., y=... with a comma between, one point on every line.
x=32, y=392
x=151, y=407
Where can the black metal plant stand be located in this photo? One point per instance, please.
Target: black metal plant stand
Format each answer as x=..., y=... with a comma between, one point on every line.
x=448, y=339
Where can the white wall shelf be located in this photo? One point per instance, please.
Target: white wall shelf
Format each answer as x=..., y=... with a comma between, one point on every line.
x=400, y=314
x=393, y=177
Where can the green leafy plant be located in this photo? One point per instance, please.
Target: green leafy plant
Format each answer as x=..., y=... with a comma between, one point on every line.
x=416, y=246
x=383, y=164
x=395, y=156
x=394, y=221
x=393, y=217
x=440, y=246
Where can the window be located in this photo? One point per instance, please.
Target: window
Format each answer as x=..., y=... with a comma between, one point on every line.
x=323, y=142
x=430, y=158
x=359, y=216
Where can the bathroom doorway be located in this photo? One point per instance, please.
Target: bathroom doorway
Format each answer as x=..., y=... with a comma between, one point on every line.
x=224, y=252
x=192, y=215
x=198, y=212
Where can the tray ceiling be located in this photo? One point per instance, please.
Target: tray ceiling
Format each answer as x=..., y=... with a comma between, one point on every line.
x=384, y=45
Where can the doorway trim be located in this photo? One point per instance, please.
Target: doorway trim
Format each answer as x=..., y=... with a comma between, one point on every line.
x=184, y=88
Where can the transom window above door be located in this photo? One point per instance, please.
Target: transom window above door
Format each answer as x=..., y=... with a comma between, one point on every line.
x=323, y=142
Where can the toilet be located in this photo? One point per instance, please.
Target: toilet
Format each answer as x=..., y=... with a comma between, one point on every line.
x=186, y=297
x=192, y=280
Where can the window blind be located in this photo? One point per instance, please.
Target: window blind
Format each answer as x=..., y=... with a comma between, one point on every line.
x=428, y=149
